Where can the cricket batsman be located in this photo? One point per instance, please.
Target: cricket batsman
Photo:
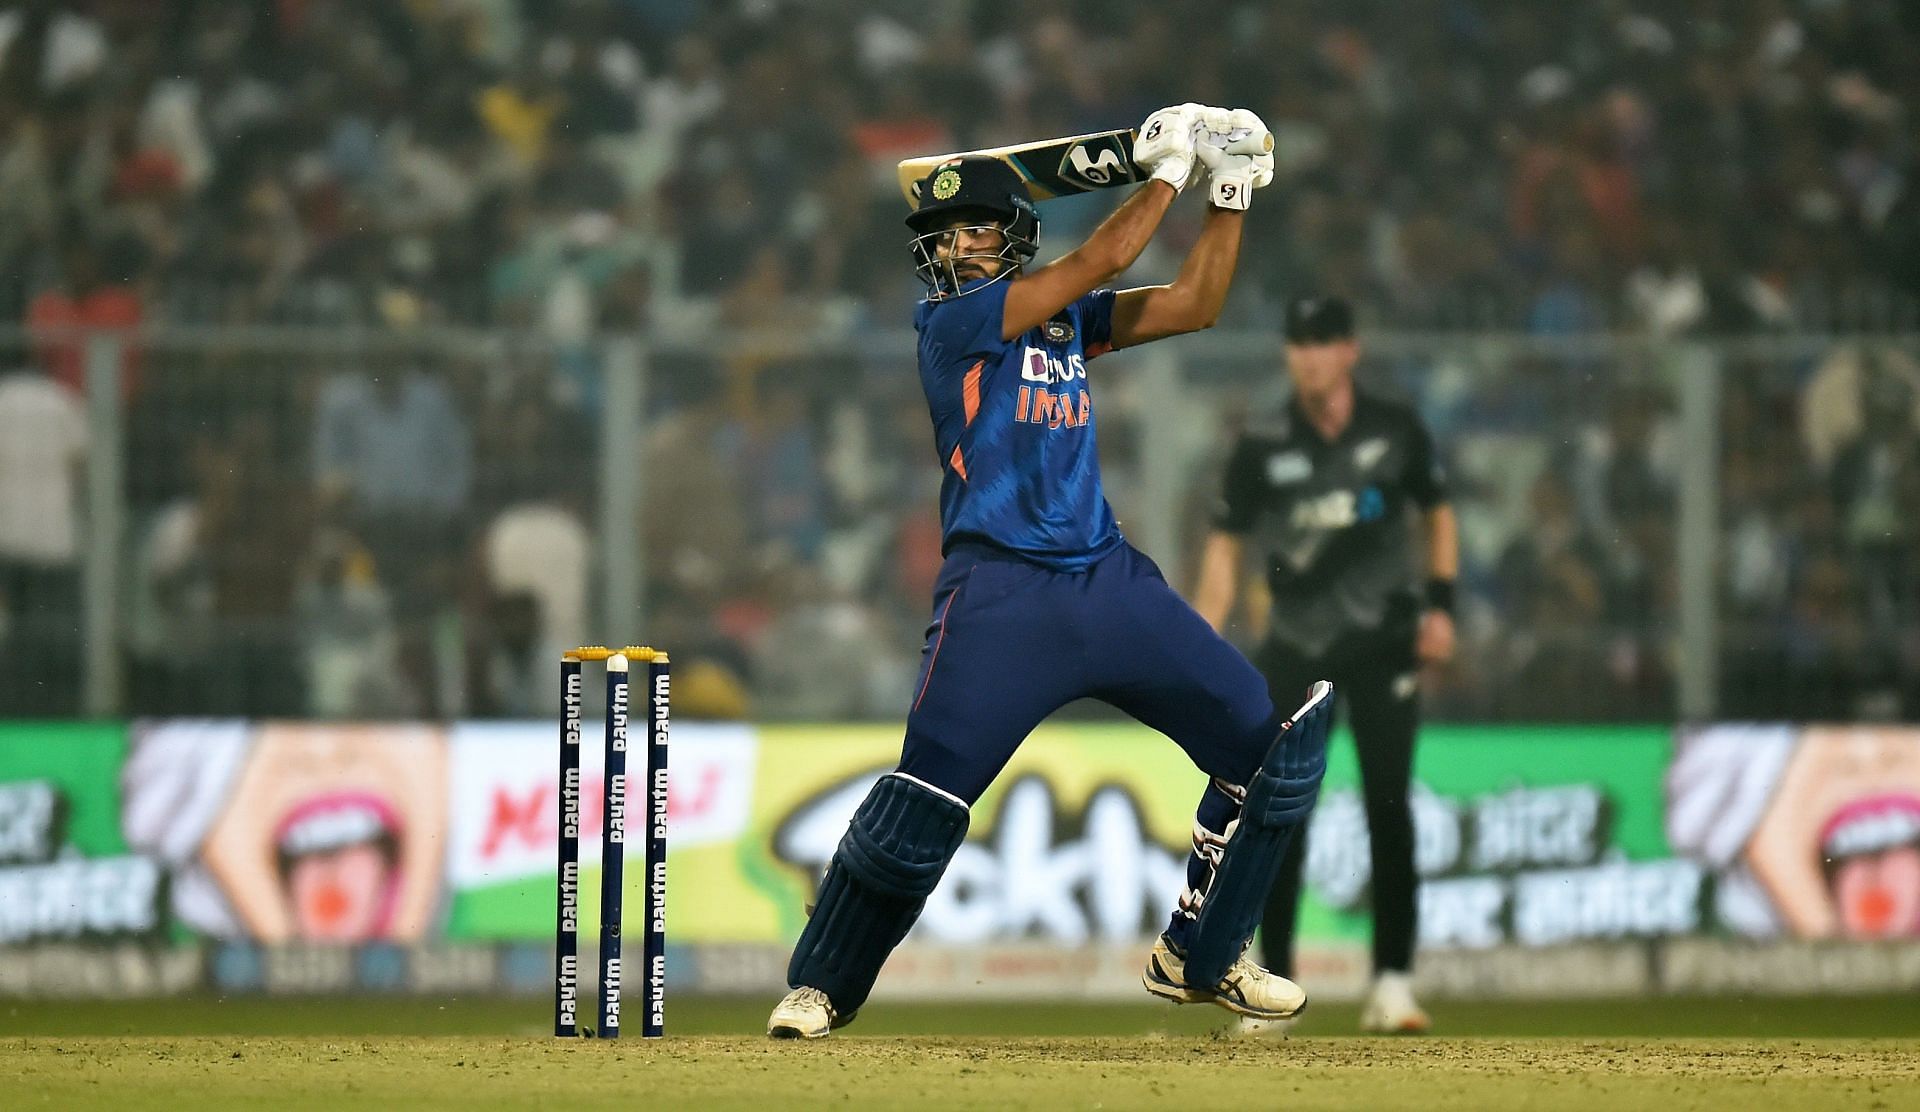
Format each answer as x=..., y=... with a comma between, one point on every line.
x=1041, y=601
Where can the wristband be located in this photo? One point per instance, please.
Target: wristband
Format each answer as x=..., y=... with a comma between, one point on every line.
x=1440, y=595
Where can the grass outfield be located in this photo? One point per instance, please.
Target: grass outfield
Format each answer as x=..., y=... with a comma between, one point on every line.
x=209, y=1054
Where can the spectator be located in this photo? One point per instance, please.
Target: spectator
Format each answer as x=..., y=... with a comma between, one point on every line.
x=393, y=461
x=509, y=663
x=91, y=299
x=520, y=111
x=350, y=646
x=172, y=626
x=255, y=528
x=1876, y=484
x=540, y=552
x=43, y=448
x=395, y=452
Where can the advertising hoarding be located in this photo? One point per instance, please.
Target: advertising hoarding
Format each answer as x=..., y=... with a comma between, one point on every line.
x=426, y=852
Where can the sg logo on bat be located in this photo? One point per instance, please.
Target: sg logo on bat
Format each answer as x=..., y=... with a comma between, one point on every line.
x=1097, y=164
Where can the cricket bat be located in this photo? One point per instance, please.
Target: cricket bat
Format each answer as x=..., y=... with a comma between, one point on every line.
x=1076, y=164
x=1050, y=167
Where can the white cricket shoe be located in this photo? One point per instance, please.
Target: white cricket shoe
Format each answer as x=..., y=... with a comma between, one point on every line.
x=1391, y=1008
x=1246, y=989
x=804, y=1013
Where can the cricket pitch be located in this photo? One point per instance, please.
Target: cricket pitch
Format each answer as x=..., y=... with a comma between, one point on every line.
x=493, y=1056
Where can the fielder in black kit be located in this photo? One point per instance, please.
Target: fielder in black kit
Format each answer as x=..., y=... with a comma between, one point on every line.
x=1324, y=494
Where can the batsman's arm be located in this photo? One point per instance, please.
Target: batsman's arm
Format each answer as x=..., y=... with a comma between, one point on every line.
x=1195, y=298
x=1034, y=298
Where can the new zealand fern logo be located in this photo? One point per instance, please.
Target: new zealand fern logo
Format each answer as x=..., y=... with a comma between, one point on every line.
x=945, y=184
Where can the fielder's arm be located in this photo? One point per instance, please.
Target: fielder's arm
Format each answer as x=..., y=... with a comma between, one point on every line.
x=1219, y=569
x=1443, y=542
x=1241, y=486
x=1434, y=643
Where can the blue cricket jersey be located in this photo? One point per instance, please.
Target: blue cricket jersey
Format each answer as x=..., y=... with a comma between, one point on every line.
x=1013, y=424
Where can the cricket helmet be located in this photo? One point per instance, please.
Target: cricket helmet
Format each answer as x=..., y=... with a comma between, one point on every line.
x=985, y=188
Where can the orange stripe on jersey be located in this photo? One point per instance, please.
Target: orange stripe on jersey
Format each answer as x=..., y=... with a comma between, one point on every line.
x=1095, y=351
x=958, y=464
x=970, y=393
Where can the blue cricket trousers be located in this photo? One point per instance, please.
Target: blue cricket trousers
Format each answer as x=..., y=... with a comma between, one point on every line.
x=1012, y=642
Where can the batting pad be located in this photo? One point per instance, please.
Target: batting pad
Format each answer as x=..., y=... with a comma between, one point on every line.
x=1279, y=799
x=892, y=856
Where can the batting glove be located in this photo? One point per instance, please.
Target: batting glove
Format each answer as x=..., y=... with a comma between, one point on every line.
x=1237, y=150
x=1232, y=178
x=1165, y=146
x=1236, y=130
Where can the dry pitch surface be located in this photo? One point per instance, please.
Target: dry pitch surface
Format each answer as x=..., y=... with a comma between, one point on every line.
x=714, y=1072
x=1172, y=1060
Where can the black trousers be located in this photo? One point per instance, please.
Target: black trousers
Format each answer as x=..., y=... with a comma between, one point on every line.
x=40, y=652
x=1372, y=674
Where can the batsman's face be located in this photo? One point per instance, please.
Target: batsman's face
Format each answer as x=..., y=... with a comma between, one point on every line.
x=1319, y=368
x=974, y=247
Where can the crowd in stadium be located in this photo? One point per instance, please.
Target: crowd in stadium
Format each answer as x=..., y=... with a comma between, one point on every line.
x=688, y=169
x=1712, y=163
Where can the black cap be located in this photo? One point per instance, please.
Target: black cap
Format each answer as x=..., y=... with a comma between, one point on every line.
x=985, y=185
x=1318, y=320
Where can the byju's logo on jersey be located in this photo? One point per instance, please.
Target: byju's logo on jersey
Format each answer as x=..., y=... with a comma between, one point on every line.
x=1061, y=408
x=1042, y=366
